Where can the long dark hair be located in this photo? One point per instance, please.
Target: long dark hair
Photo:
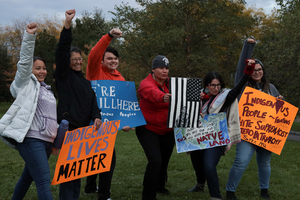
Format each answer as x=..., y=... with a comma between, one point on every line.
x=211, y=76
x=35, y=58
x=265, y=84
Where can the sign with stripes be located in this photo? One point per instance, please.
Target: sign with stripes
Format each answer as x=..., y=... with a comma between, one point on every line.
x=184, y=106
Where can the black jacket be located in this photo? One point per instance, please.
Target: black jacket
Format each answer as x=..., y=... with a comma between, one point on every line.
x=76, y=99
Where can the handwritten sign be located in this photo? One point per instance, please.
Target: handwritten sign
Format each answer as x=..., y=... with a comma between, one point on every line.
x=86, y=152
x=118, y=101
x=211, y=132
x=264, y=120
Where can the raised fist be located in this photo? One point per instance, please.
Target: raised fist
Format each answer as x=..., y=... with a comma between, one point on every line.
x=250, y=62
x=116, y=32
x=251, y=40
x=31, y=28
x=70, y=14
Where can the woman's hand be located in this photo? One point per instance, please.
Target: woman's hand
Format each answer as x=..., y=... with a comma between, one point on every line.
x=250, y=62
x=55, y=151
x=127, y=128
x=251, y=40
x=31, y=28
x=69, y=14
x=202, y=94
x=167, y=97
x=201, y=114
x=279, y=97
x=97, y=123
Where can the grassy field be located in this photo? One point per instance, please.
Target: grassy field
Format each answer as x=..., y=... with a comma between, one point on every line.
x=131, y=163
x=296, y=126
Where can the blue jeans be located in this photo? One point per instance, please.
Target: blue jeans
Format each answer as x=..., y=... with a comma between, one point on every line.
x=205, y=165
x=70, y=190
x=35, y=153
x=244, y=153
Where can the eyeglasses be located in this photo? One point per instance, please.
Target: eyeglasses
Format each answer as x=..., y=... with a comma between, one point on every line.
x=76, y=59
x=214, y=85
x=258, y=70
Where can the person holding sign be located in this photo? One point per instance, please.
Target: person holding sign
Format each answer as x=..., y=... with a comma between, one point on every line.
x=156, y=139
x=30, y=124
x=216, y=98
x=245, y=150
x=76, y=99
x=103, y=62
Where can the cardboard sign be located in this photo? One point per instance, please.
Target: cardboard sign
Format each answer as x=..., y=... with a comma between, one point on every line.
x=86, y=152
x=264, y=120
x=118, y=101
x=211, y=132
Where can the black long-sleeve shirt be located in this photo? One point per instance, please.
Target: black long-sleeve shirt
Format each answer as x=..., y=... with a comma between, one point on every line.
x=76, y=99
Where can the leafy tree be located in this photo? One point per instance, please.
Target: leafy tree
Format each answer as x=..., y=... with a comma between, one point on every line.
x=12, y=35
x=279, y=50
x=5, y=80
x=196, y=36
x=88, y=29
x=48, y=33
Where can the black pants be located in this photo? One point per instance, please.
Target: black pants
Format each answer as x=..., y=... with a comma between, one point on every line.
x=158, y=150
x=205, y=165
x=104, y=181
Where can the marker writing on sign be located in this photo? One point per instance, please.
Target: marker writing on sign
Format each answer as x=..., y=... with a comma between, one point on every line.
x=74, y=169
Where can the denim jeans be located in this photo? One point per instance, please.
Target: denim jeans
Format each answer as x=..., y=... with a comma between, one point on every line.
x=244, y=153
x=158, y=150
x=35, y=153
x=70, y=190
x=205, y=165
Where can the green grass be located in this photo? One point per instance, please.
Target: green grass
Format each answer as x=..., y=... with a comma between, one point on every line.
x=131, y=164
x=296, y=126
x=3, y=108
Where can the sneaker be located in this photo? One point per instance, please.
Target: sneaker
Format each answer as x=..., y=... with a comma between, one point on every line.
x=230, y=196
x=106, y=199
x=264, y=194
x=146, y=198
x=197, y=188
x=215, y=198
x=163, y=191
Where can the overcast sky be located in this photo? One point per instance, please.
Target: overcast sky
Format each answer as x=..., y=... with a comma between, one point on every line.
x=11, y=10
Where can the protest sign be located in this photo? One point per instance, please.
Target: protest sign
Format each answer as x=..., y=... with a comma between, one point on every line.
x=211, y=132
x=118, y=101
x=264, y=120
x=86, y=152
x=184, y=106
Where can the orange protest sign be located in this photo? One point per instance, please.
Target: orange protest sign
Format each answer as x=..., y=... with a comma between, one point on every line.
x=86, y=152
x=264, y=120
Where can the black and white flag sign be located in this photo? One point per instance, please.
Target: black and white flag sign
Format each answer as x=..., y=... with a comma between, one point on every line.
x=184, y=106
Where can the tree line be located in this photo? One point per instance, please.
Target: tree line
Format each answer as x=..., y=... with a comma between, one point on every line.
x=196, y=36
